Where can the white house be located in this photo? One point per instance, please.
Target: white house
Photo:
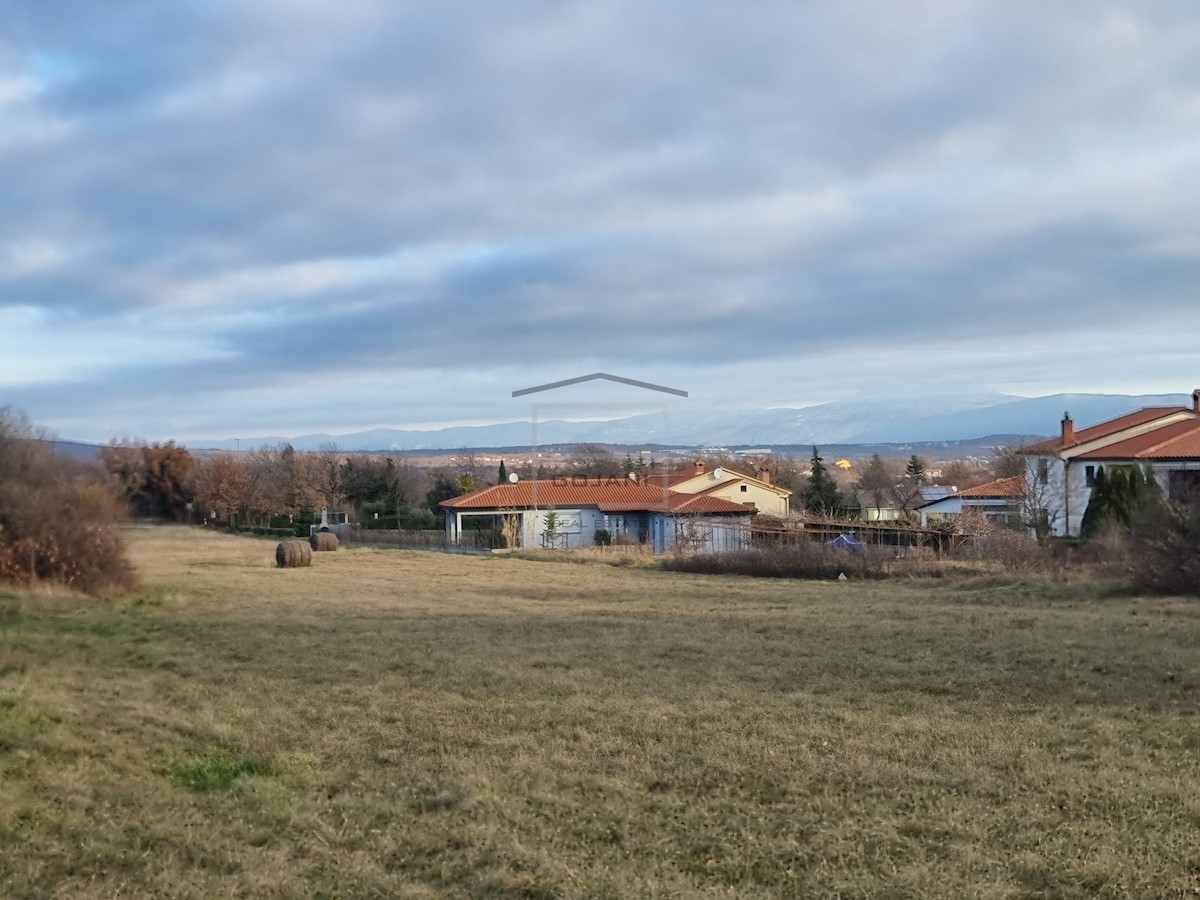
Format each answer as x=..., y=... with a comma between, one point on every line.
x=1163, y=440
x=998, y=500
x=568, y=512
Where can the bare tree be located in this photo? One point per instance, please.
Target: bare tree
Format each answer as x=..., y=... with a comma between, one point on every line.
x=596, y=461
x=877, y=480
x=470, y=470
x=328, y=475
x=1037, y=511
x=1008, y=462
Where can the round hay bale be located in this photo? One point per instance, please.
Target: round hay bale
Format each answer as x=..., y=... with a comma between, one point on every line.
x=323, y=540
x=293, y=554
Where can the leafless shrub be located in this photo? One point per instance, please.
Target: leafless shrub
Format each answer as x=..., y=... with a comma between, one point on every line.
x=805, y=560
x=1165, y=549
x=1011, y=551
x=56, y=521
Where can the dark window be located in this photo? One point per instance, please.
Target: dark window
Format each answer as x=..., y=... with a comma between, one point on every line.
x=1043, y=471
x=1089, y=473
x=743, y=489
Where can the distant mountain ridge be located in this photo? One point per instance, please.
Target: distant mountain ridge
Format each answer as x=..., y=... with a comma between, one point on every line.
x=858, y=421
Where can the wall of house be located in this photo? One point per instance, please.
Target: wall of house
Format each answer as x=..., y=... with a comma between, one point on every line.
x=764, y=499
x=950, y=506
x=1065, y=503
x=576, y=527
x=1065, y=494
x=717, y=534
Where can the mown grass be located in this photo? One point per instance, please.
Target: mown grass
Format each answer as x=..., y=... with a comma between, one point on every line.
x=395, y=723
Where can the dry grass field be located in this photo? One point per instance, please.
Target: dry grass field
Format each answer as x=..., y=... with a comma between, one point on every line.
x=402, y=724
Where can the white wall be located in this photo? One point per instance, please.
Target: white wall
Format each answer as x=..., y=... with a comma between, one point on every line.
x=1065, y=494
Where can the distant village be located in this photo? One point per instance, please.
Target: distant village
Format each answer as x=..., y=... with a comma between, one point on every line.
x=707, y=499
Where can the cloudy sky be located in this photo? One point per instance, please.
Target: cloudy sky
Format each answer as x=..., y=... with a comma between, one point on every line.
x=285, y=216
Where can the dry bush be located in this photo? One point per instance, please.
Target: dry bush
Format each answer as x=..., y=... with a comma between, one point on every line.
x=1013, y=551
x=1165, y=549
x=56, y=523
x=803, y=560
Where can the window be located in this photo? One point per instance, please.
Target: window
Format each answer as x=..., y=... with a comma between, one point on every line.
x=1043, y=475
x=743, y=489
x=1089, y=474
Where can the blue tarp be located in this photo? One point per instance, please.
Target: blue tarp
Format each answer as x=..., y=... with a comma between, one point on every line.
x=846, y=540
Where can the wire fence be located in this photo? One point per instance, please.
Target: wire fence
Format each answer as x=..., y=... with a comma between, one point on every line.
x=417, y=540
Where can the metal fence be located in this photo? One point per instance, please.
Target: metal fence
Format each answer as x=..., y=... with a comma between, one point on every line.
x=417, y=540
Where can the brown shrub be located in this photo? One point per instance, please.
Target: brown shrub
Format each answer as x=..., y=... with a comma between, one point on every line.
x=323, y=540
x=802, y=560
x=1165, y=549
x=293, y=554
x=1015, y=552
x=57, y=523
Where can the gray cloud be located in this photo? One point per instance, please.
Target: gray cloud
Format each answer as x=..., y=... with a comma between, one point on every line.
x=273, y=193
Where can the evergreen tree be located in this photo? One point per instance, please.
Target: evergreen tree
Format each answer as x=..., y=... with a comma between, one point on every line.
x=914, y=472
x=444, y=488
x=1118, y=498
x=821, y=494
x=1120, y=502
x=1097, y=508
x=502, y=475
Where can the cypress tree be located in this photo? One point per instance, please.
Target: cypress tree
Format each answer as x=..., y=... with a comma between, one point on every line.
x=1097, y=508
x=1120, y=504
x=502, y=475
x=821, y=494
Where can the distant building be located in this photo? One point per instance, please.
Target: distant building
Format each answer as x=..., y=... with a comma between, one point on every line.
x=568, y=512
x=737, y=487
x=998, y=500
x=926, y=494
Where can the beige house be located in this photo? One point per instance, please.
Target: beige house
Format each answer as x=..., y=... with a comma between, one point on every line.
x=727, y=484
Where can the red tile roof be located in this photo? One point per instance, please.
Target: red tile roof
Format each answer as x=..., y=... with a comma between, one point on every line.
x=999, y=489
x=1112, y=426
x=609, y=494
x=679, y=477
x=1178, y=440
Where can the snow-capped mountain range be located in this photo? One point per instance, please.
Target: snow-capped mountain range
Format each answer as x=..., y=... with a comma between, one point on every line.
x=858, y=421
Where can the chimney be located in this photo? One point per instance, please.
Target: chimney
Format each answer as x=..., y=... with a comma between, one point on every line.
x=1068, y=429
x=699, y=467
x=764, y=476
x=1196, y=400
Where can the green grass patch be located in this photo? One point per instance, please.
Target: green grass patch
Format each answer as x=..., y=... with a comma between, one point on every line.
x=219, y=769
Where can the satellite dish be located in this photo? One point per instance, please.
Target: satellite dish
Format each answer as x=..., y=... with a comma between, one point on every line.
x=633, y=476
x=718, y=472
x=514, y=478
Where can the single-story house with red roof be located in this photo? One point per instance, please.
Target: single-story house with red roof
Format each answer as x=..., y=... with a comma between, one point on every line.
x=998, y=500
x=569, y=511
x=1163, y=440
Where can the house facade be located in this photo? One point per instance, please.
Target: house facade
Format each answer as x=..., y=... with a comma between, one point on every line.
x=999, y=501
x=569, y=512
x=1163, y=440
x=728, y=484
x=925, y=494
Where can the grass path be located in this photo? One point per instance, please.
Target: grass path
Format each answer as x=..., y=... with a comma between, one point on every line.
x=392, y=724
